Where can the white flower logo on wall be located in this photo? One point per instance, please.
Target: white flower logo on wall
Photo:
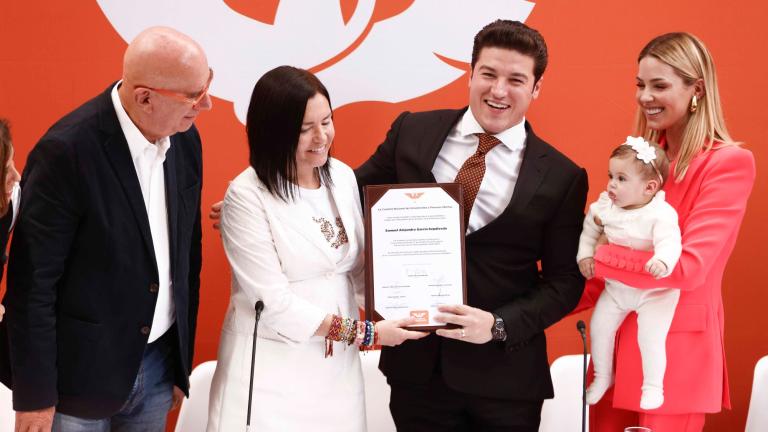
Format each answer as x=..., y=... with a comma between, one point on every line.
x=395, y=59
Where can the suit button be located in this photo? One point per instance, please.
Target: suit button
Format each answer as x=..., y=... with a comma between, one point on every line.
x=153, y=288
x=145, y=330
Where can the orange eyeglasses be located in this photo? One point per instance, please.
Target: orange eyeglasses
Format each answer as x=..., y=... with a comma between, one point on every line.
x=182, y=97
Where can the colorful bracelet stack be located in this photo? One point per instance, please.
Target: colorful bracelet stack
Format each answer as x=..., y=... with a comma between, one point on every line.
x=362, y=333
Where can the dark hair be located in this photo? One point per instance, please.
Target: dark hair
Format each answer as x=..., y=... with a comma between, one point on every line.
x=275, y=115
x=6, y=145
x=516, y=36
x=648, y=171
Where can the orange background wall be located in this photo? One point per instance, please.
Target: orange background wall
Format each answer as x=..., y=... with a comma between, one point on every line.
x=55, y=55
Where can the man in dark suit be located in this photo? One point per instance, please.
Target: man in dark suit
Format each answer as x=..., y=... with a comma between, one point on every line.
x=492, y=372
x=103, y=280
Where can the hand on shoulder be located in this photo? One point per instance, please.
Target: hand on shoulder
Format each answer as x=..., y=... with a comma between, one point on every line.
x=215, y=214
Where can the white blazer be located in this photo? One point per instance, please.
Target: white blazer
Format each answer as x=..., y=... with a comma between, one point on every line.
x=278, y=255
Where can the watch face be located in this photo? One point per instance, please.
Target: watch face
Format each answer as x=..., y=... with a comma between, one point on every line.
x=499, y=332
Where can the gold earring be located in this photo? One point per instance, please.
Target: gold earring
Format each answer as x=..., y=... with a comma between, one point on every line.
x=694, y=104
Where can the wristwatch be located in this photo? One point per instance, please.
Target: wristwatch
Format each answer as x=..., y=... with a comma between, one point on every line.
x=498, y=331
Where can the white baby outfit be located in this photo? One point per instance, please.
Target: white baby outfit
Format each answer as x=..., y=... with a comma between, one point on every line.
x=651, y=227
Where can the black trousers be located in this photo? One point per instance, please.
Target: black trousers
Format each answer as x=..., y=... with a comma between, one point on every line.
x=436, y=407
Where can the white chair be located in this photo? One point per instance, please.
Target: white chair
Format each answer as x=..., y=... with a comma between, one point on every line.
x=194, y=411
x=376, y=394
x=7, y=415
x=757, y=418
x=563, y=413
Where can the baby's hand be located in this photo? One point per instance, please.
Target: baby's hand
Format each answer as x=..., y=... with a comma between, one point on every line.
x=587, y=267
x=656, y=267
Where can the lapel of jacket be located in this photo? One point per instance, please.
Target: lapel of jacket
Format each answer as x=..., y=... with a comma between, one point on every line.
x=119, y=156
x=344, y=197
x=532, y=170
x=171, y=200
x=434, y=138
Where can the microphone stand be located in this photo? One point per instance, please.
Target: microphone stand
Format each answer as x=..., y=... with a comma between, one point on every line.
x=581, y=327
x=259, y=307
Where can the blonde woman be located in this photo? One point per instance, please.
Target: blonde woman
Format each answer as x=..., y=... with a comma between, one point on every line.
x=711, y=177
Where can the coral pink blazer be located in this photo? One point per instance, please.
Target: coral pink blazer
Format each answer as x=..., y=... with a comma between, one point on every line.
x=710, y=203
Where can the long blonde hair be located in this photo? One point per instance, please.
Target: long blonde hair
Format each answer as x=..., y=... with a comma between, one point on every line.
x=691, y=61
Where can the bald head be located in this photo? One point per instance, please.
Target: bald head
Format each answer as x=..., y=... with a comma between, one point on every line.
x=163, y=70
x=161, y=57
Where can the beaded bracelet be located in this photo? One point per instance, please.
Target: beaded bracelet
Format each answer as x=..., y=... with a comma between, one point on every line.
x=372, y=334
x=360, y=333
x=368, y=338
x=351, y=331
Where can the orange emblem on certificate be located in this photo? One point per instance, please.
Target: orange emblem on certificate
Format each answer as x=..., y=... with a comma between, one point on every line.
x=421, y=316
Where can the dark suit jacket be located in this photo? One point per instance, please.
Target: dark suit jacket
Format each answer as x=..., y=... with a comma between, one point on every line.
x=542, y=224
x=82, y=274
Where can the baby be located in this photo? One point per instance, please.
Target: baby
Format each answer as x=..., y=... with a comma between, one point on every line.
x=633, y=213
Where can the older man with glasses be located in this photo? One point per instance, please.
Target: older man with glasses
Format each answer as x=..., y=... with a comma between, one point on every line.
x=103, y=283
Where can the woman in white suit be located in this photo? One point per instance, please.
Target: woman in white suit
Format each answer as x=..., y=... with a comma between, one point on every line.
x=292, y=230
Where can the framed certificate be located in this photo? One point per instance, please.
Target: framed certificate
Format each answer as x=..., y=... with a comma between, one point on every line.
x=414, y=245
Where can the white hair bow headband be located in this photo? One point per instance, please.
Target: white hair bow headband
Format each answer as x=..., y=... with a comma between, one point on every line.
x=644, y=152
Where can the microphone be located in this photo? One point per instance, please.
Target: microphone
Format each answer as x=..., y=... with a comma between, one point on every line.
x=259, y=307
x=581, y=327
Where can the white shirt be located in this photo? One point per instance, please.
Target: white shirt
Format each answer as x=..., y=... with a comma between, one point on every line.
x=326, y=217
x=148, y=160
x=15, y=200
x=502, y=166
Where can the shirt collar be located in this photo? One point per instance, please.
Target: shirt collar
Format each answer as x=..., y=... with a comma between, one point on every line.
x=513, y=138
x=137, y=143
x=15, y=201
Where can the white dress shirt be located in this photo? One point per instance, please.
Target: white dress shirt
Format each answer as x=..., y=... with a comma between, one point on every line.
x=148, y=160
x=502, y=166
x=15, y=201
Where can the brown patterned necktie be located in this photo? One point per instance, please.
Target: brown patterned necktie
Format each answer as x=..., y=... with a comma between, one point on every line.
x=471, y=173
